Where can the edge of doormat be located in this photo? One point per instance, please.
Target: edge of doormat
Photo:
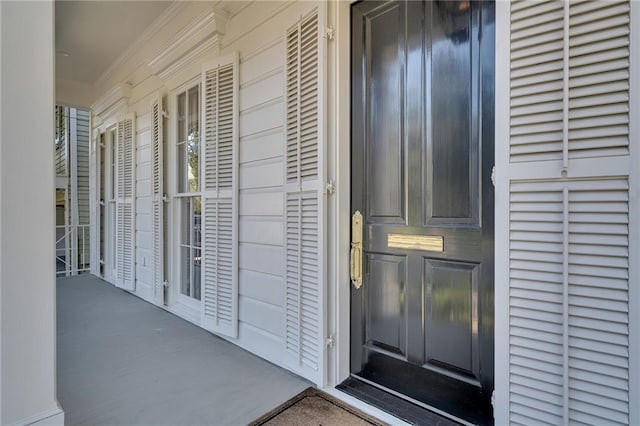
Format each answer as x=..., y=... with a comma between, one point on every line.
x=308, y=392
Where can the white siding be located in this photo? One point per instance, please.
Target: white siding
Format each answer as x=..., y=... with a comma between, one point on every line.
x=144, y=247
x=257, y=34
x=82, y=128
x=262, y=253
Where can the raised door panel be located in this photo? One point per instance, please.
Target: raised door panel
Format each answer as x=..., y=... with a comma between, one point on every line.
x=452, y=317
x=384, y=46
x=451, y=157
x=386, y=323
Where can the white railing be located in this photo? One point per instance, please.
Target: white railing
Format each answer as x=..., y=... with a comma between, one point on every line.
x=72, y=249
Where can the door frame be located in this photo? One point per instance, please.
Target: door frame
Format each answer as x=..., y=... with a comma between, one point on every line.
x=339, y=209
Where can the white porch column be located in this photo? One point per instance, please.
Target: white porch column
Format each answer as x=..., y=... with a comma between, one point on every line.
x=27, y=268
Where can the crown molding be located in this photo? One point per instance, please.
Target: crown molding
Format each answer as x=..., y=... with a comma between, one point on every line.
x=156, y=27
x=210, y=44
x=115, y=99
x=205, y=33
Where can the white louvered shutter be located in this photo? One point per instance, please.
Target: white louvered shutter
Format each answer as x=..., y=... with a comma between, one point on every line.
x=157, y=208
x=98, y=200
x=219, y=197
x=304, y=200
x=125, y=204
x=569, y=213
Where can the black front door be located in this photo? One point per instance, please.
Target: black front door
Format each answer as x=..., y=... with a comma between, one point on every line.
x=422, y=154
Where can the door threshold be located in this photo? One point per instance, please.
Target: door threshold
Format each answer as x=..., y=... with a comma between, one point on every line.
x=406, y=409
x=365, y=407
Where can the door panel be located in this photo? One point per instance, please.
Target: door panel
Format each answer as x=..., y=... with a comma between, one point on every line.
x=422, y=153
x=385, y=131
x=452, y=321
x=386, y=316
x=452, y=160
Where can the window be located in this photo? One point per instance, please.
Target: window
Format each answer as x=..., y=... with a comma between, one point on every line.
x=188, y=188
x=110, y=257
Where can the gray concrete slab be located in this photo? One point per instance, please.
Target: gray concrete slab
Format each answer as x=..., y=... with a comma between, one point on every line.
x=123, y=361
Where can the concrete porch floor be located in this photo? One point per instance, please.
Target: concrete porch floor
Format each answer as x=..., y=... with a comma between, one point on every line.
x=123, y=361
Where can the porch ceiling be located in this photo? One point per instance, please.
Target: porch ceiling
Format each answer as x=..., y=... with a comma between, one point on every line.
x=92, y=36
x=94, y=33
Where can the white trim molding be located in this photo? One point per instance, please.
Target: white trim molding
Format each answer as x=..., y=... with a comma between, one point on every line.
x=53, y=417
x=501, y=236
x=156, y=27
x=190, y=43
x=339, y=213
x=115, y=100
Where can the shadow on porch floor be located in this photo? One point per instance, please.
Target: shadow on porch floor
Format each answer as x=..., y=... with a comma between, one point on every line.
x=122, y=361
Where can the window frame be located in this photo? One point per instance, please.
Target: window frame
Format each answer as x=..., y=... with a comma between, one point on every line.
x=176, y=297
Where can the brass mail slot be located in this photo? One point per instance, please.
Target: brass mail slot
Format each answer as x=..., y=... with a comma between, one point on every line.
x=416, y=242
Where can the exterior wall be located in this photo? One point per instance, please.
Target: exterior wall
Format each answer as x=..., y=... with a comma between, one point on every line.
x=82, y=129
x=27, y=271
x=257, y=32
x=61, y=147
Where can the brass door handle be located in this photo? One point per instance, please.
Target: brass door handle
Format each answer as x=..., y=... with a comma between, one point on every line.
x=356, y=250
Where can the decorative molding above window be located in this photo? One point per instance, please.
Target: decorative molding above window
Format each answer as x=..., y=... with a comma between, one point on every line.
x=114, y=100
x=203, y=35
x=159, y=25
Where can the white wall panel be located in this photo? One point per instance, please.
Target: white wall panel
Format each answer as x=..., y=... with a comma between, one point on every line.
x=261, y=315
x=263, y=145
x=261, y=203
x=263, y=174
x=264, y=88
x=144, y=240
x=261, y=231
x=263, y=343
x=260, y=286
x=262, y=117
x=143, y=154
x=143, y=204
x=143, y=126
x=143, y=222
x=259, y=258
x=266, y=59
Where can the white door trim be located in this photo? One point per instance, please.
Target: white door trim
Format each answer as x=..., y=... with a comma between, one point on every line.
x=501, y=206
x=338, y=307
x=339, y=209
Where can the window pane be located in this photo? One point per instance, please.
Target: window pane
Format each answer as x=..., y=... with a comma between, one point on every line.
x=185, y=220
x=194, y=108
x=193, y=139
x=182, y=105
x=185, y=271
x=112, y=141
x=197, y=261
x=182, y=170
x=197, y=223
x=193, y=152
x=181, y=144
